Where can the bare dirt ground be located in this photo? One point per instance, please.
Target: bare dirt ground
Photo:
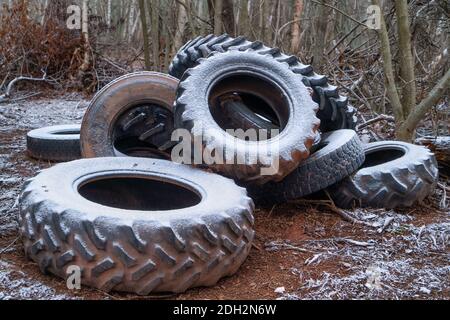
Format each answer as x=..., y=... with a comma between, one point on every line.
x=302, y=250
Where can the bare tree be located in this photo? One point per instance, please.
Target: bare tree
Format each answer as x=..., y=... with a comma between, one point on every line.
x=154, y=12
x=218, y=8
x=181, y=23
x=244, y=25
x=405, y=51
x=295, y=28
x=321, y=22
x=407, y=114
x=145, y=35
x=86, y=44
x=228, y=16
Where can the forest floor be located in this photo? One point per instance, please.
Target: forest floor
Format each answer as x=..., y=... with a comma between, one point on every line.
x=301, y=251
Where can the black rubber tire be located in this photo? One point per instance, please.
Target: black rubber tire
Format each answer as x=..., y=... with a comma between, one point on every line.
x=237, y=113
x=334, y=112
x=385, y=183
x=192, y=112
x=340, y=153
x=109, y=107
x=130, y=250
x=55, y=143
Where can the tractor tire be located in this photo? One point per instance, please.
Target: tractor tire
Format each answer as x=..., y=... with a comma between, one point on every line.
x=394, y=174
x=334, y=112
x=198, y=110
x=339, y=154
x=135, y=224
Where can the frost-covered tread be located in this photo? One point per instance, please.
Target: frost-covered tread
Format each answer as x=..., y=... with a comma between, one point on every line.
x=340, y=154
x=388, y=179
x=335, y=112
x=55, y=143
x=289, y=148
x=135, y=251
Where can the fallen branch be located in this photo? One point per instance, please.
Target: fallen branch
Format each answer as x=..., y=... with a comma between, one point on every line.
x=9, y=245
x=277, y=245
x=381, y=117
x=330, y=205
x=7, y=95
x=356, y=243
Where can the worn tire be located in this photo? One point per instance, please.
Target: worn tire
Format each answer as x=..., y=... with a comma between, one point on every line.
x=55, y=143
x=192, y=112
x=340, y=154
x=138, y=104
x=131, y=250
x=334, y=112
x=237, y=113
x=409, y=177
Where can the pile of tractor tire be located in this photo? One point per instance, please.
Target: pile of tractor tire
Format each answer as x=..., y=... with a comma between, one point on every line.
x=133, y=220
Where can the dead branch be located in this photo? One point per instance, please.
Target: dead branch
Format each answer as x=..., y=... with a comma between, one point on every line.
x=280, y=245
x=345, y=215
x=341, y=12
x=7, y=95
x=381, y=117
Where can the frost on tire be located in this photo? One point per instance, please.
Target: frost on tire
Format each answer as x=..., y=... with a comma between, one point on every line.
x=136, y=225
x=55, y=143
x=334, y=112
x=272, y=85
x=394, y=174
x=337, y=155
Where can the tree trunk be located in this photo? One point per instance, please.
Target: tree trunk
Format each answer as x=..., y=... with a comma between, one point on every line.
x=320, y=34
x=228, y=17
x=181, y=23
x=153, y=6
x=85, y=32
x=145, y=35
x=218, y=8
x=203, y=14
x=406, y=58
x=244, y=26
x=388, y=69
x=277, y=23
x=108, y=13
x=295, y=28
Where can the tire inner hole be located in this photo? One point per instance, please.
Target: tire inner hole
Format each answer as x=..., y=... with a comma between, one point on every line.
x=60, y=133
x=376, y=158
x=249, y=102
x=137, y=193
